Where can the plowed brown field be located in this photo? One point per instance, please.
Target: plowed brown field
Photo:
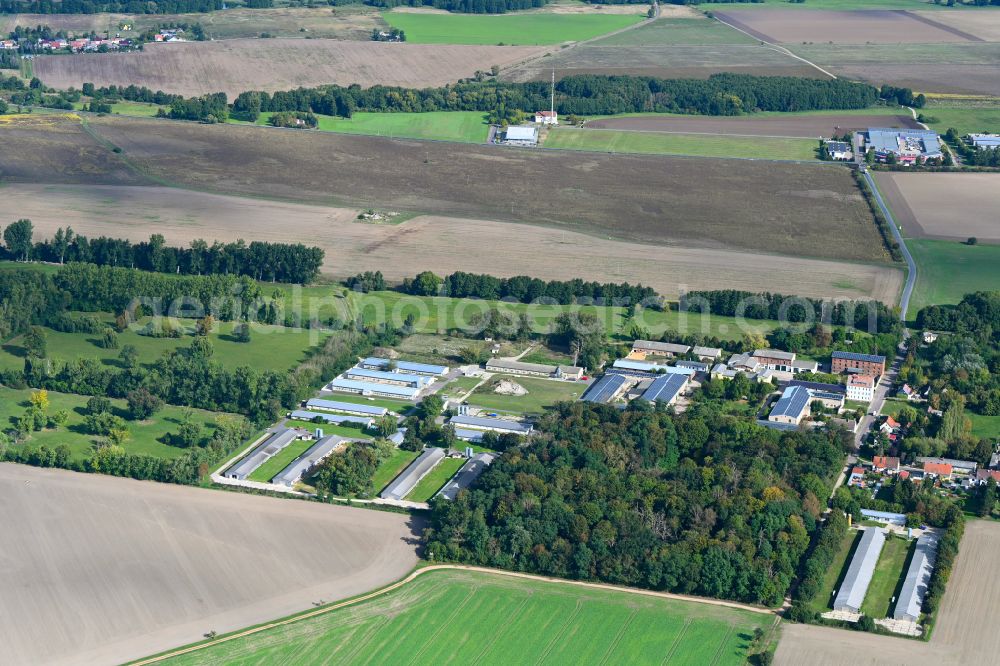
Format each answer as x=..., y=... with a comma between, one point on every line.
x=807, y=126
x=235, y=65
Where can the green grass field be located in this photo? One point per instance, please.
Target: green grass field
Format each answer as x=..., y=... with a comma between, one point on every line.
x=440, y=314
x=329, y=429
x=391, y=467
x=679, y=32
x=886, y=580
x=967, y=120
x=518, y=29
x=463, y=126
x=462, y=617
x=662, y=143
x=987, y=427
x=435, y=479
x=273, y=466
x=947, y=270
x=824, y=598
x=149, y=437
x=270, y=347
x=461, y=385
x=128, y=108
x=542, y=393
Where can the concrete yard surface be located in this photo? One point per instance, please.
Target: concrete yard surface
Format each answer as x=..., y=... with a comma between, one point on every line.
x=100, y=570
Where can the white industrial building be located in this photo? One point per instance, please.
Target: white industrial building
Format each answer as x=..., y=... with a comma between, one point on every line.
x=859, y=574
x=411, y=476
x=496, y=425
x=521, y=135
x=261, y=454
x=372, y=389
x=304, y=463
x=470, y=471
x=918, y=578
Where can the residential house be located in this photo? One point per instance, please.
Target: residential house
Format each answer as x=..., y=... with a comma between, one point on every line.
x=885, y=464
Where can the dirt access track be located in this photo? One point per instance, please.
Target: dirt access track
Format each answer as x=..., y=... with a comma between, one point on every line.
x=233, y=66
x=944, y=205
x=807, y=126
x=97, y=569
x=794, y=26
x=439, y=244
x=965, y=632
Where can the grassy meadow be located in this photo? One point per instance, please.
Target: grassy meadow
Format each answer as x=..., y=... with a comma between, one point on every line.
x=429, y=621
x=270, y=347
x=150, y=437
x=663, y=143
x=463, y=126
x=972, y=119
x=435, y=479
x=947, y=270
x=273, y=466
x=391, y=467
x=542, y=393
x=508, y=29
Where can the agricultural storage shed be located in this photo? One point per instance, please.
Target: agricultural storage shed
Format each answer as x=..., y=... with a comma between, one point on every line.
x=418, y=469
x=346, y=407
x=497, y=425
x=266, y=450
x=336, y=419
x=628, y=364
x=859, y=574
x=918, y=578
x=605, y=389
x=470, y=471
x=313, y=455
x=371, y=388
x=665, y=389
x=383, y=377
x=375, y=363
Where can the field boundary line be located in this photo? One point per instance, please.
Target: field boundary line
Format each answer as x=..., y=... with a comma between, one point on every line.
x=444, y=567
x=775, y=47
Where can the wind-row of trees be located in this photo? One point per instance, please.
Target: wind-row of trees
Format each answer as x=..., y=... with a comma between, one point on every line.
x=873, y=316
x=699, y=503
x=277, y=262
x=101, y=6
x=524, y=289
x=585, y=94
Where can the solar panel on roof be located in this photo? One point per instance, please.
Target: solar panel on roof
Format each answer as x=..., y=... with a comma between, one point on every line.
x=665, y=388
x=854, y=356
x=604, y=388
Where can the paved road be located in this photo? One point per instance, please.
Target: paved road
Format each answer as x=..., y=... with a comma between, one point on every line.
x=881, y=392
x=911, y=266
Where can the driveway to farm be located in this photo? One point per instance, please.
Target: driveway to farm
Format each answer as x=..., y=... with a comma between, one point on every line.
x=911, y=273
x=98, y=570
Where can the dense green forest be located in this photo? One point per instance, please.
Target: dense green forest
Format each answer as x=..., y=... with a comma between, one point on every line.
x=699, y=503
x=863, y=315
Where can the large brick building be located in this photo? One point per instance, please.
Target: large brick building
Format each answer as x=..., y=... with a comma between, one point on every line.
x=860, y=364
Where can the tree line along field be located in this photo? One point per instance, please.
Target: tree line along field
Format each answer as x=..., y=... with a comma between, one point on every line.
x=428, y=621
x=270, y=347
x=151, y=437
x=532, y=28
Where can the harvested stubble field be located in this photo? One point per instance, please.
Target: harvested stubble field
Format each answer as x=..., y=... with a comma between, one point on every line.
x=963, y=68
x=814, y=211
x=944, y=205
x=983, y=24
x=235, y=65
x=809, y=125
x=693, y=47
x=344, y=22
x=441, y=244
x=965, y=632
x=133, y=567
x=843, y=27
x=436, y=619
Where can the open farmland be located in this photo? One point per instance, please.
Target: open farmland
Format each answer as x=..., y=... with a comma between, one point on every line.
x=344, y=22
x=690, y=46
x=466, y=126
x=944, y=205
x=805, y=125
x=135, y=567
x=422, y=27
x=662, y=143
x=963, y=68
x=430, y=621
x=815, y=211
x=965, y=629
x=235, y=65
x=843, y=27
x=151, y=437
x=441, y=244
x=984, y=25
x=947, y=270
